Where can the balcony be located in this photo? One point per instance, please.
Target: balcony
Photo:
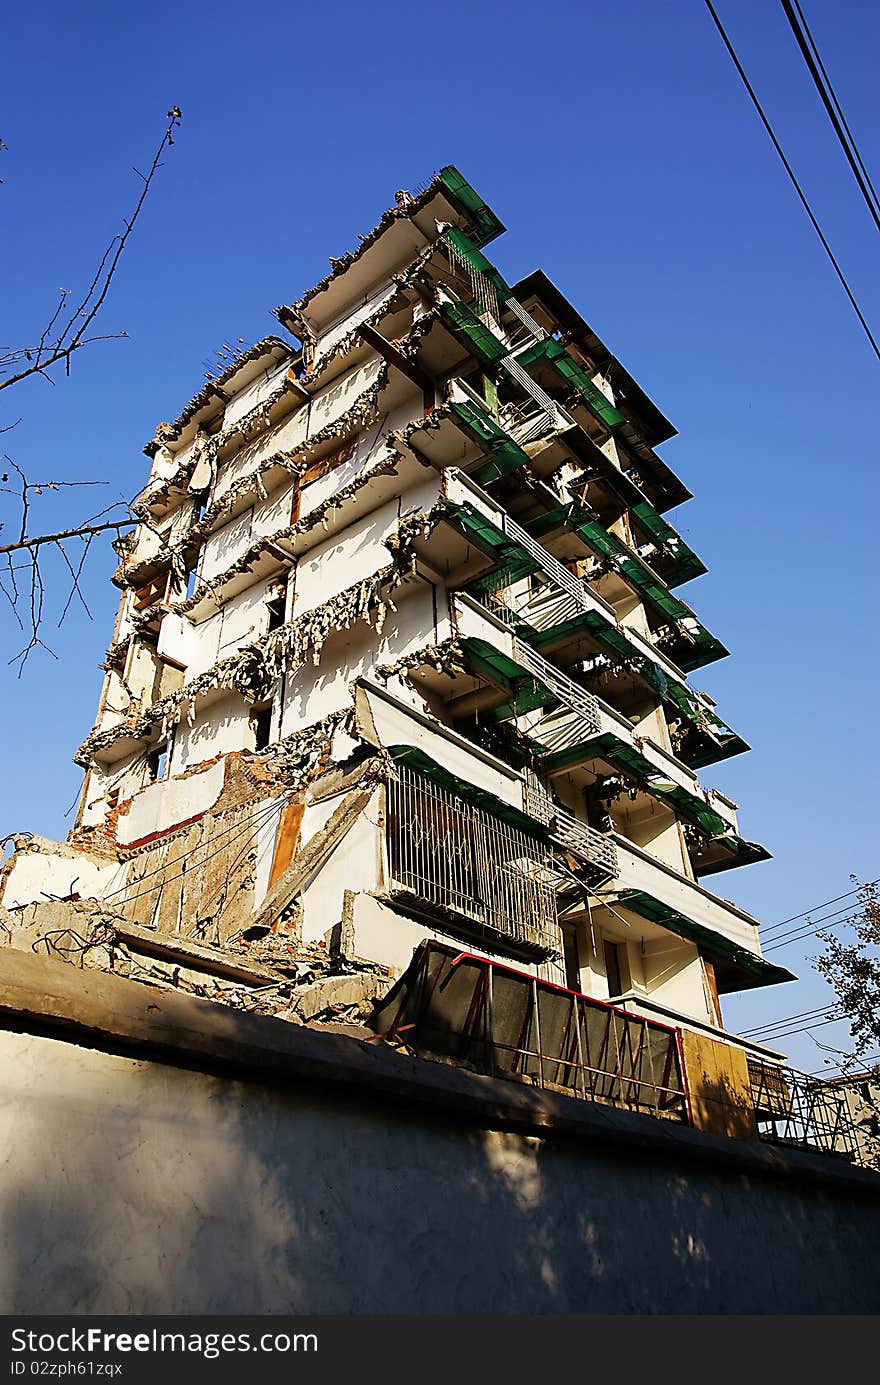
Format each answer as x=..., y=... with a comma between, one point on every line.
x=503, y=450
x=472, y=332
x=572, y=621
x=466, y=1010
x=675, y=561
x=594, y=850
x=515, y=678
x=565, y=615
x=691, y=644
x=576, y=728
x=484, y=221
x=481, y=873
x=650, y=890
x=550, y=352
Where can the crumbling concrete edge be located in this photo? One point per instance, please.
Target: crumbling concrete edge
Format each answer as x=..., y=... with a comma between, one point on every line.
x=42, y=996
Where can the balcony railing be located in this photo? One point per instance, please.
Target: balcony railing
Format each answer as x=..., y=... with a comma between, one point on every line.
x=565, y=596
x=573, y=697
x=454, y=859
x=792, y=1108
x=466, y=1010
x=565, y=599
x=593, y=848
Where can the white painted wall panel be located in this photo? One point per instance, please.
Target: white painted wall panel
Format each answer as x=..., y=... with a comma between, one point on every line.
x=353, y=865
x=205, y=646
x=244, y=618
x=219, y=727
x=314, y=691
x=253, y=394
x=163, y=805
x=35, y=877
x=225, y=545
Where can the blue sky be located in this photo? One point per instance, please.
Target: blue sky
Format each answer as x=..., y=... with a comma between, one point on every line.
x=619, y=148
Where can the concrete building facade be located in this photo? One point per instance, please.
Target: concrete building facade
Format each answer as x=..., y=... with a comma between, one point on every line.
x=401, y=659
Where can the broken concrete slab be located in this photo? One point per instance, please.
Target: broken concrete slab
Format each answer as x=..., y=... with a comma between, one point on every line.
x=338, y=992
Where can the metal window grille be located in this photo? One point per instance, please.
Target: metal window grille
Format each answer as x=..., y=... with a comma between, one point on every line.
x=455, y=859
x=526, y=422
x=467, y=1010
x=792, y=1108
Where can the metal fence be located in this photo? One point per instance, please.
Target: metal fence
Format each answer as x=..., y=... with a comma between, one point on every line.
x=457, y=859
x=467, y=1010
x=792, y=1108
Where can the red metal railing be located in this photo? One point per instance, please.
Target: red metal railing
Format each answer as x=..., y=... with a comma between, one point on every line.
x=460, y=1008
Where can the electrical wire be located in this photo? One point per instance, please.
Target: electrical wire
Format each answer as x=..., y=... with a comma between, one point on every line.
x=773, y=1024
x=838, y=1070
x=250, y=826
x=160, y=870
x=808, y=932
x=815, y=907
x=810, y=53
x=795, y=1023
x=813, y=921
x=790, y=171
x=800, y=1029
x=837, y=105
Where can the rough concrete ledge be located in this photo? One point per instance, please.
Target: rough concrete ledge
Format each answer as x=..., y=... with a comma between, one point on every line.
x=41, y=995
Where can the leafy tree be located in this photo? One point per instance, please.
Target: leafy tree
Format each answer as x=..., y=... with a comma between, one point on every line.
x=853, y=970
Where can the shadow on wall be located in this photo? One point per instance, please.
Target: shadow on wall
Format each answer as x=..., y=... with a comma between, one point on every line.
x=132, y=1186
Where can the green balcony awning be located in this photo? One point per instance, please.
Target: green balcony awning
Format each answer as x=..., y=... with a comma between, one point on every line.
x=459, y=190
x=686, y=564
x=514, y=562
x=611, y=640
x=479, y=339
x=424, y=764
x=756, y=971
x=699, y=646
x=556, y=355
x=526, y=692
x=468, y=250
x=504, y=455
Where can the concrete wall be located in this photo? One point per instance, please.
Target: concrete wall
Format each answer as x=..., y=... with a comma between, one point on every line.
x=317, y=690
x=353, y=1180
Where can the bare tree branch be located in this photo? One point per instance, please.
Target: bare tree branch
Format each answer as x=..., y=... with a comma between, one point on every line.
x=57, y=349
x=119, y=525
x=66, y=331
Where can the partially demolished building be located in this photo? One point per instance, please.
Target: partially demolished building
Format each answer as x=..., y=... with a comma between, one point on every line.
x=399, y=694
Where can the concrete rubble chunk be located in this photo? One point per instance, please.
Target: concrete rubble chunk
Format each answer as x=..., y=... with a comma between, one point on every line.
x=338, y=993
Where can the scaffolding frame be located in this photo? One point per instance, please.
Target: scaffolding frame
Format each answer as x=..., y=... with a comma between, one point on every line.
x=792, y=1108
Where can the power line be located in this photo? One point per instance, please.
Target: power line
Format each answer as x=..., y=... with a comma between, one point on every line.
x=808, y=932
x=261, y=818
x=793, y=1024
x=837, y=105
x=838, y=1070
x=800, y=1029
x=810, y=923
x=829, y=100
x=815, y=907
x=790, y=171
x=773, y=1024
